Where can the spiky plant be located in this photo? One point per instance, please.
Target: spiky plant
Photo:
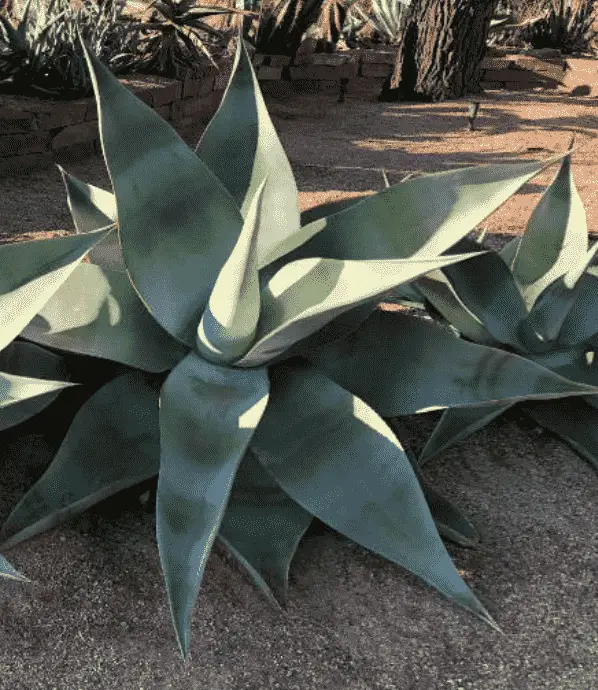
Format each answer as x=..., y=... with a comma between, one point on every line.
x=175, y=38
x=22, y=53
x=564, y=24
x=387, y=19
x=538, y=297
x=568, y=26
x=283, y=23
x=42, y=52
x=216, y=291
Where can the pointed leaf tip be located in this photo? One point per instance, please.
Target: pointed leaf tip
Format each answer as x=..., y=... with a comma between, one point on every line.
x=197, y=470
x=173, y=246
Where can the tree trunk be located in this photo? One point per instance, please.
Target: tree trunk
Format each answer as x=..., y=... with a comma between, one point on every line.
x=443, y=45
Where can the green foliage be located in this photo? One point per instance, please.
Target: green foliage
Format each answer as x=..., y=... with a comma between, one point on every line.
x=175, y=39
x=387, y=19
x=537, y=298
x=42, y=54
x=567, y=25
x=283, y=23
x=230, y=307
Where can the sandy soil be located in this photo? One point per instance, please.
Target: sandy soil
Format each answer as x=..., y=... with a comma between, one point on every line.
x=96, y=615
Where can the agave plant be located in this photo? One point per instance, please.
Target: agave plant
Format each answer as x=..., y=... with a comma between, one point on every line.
x=283, y=23
x=173, y=38
x=21, y=45
x=537, y=297
x=564, y=24
x=387, y=19
x=42, y=52
x=30, y=273
x=568, y=26
x=219, y=295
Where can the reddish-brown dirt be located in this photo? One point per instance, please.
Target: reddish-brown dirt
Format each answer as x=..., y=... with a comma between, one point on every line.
x=338, y=150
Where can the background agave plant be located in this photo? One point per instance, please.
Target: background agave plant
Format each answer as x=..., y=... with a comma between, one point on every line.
x=388, y=19
x=282, y=25
x=537, y=297
x=41, y=53
x=174, y=37
x=222, y=300
x=564, y=24
x=384, y=22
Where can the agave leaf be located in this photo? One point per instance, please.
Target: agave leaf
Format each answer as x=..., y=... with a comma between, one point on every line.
x=336, y=457
x=108, y=253
x=457, y=424
x=509, y=251
x=451, y=522
x=177, y=222
x=400, y=221
x=228, y=325
x=552, y=306
x=408, y=293
x=93, y=208
x=575, y=421
x=573, y=363
x=7, y=571
x=442, y=295
x=97, y=312
x=305, y=295
x=555, y=238
x=581, y=323
x=16, y=389
x=241, y=146
x=262, y=528
x=450, y=372
x=32, y=272
x=340, y=327
x=329, y=208
x=208, y=415
x=123, y=415
x=488, y=290
x=26, y=359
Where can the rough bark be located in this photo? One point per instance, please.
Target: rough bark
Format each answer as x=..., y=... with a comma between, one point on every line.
x=441, y=51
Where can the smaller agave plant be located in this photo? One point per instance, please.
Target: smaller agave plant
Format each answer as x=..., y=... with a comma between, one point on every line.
x=41, y=51
x=172, y=38
x=222, y=300
x=30, y=273
x=537, y=297
x=387, y=19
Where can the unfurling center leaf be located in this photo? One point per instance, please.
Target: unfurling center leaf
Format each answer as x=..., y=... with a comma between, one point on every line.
x=229, y=323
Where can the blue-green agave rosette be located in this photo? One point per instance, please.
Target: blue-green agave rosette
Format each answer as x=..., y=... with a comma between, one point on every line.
x=211, y=290
x=537, y=297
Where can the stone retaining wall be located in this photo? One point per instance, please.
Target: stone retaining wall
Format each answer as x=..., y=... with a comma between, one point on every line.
x=35, y=133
